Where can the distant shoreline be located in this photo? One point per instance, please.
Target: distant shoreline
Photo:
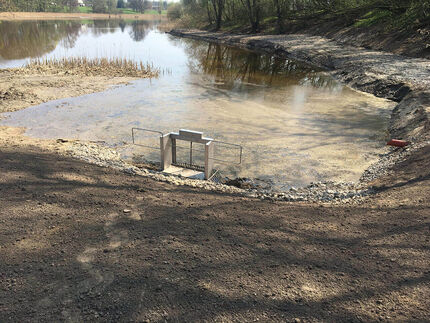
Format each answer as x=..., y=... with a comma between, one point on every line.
x=77, y=15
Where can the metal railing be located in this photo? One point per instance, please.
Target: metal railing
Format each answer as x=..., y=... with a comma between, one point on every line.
x=146, y=130
x=221, y=161
x=192, y=149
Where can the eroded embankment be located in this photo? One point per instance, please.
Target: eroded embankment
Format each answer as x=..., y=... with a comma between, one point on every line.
x=398, y=78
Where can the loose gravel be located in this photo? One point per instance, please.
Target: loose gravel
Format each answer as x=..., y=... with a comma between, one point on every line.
x=325, y=191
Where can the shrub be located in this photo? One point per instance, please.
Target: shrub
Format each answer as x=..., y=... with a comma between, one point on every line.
x=174, y=11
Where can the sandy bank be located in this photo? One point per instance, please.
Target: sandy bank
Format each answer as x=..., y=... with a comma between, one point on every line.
x=402, y=79
x=19, y=91
x=61, y=15
x=35, y=84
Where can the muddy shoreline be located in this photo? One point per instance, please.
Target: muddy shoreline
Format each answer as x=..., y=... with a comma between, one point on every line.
x=401, y=79
x=23, y=87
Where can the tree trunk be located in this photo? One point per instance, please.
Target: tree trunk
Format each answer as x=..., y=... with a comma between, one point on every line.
x=218, y=6
x=208, y=9
x=279, y=17
x=219, y=14
x=253, y=14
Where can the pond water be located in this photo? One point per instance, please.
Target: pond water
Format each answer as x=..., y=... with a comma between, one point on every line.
x=296, y=124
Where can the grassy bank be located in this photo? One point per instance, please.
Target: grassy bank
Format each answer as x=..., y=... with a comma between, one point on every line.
x=373, y=29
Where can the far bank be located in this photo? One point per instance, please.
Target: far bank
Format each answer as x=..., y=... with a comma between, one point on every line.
x=75, y=15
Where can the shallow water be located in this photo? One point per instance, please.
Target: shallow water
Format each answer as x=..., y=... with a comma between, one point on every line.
x=296, y=124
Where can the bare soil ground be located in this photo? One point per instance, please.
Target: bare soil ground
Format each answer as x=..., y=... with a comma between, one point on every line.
x=77, y=15
x=85, y=243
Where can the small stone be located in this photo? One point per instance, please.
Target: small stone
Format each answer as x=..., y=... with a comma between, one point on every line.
x=127, y=211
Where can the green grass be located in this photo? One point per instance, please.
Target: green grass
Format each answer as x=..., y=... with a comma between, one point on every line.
x=127, y=11
x=85, y=9
x=374, y=17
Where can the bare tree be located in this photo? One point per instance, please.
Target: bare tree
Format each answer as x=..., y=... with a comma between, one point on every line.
x=218, y=7
x=253, y=8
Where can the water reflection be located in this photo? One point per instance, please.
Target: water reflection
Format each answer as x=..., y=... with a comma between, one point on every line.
x=20, y=40
x=30, y=39
x=236, y=69
x=140, y=29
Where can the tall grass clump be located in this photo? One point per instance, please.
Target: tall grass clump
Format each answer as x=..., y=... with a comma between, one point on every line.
x=93, y=67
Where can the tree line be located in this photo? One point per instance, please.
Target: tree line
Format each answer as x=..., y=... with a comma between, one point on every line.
x=255, y=12
x=97, y=6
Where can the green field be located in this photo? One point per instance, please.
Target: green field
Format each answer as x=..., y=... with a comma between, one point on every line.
x=85, y=9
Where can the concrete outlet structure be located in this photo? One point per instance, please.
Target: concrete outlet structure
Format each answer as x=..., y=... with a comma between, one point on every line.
x=168, y=149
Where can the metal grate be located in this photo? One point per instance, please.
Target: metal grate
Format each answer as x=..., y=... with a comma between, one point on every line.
x=190, y=166
x=216, y=176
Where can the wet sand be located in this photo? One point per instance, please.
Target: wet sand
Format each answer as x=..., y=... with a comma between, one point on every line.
x=21, y=88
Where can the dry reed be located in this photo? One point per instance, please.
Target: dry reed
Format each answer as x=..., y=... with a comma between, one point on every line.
x=93, y=67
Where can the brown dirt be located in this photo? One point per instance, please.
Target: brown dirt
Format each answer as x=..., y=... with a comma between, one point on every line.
x=59, y=15
x=27, y=88
x=70, y=250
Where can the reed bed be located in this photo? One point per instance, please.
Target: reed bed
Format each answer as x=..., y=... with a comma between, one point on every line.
x=93, y=67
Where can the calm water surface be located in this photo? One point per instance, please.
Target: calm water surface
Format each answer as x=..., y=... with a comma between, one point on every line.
x=295, y=122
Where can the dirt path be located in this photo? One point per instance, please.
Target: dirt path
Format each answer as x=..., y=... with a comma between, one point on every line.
x=85, y=243
x=383, y=74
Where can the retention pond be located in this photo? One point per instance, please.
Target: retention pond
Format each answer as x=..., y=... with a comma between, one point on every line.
x=295, y=122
